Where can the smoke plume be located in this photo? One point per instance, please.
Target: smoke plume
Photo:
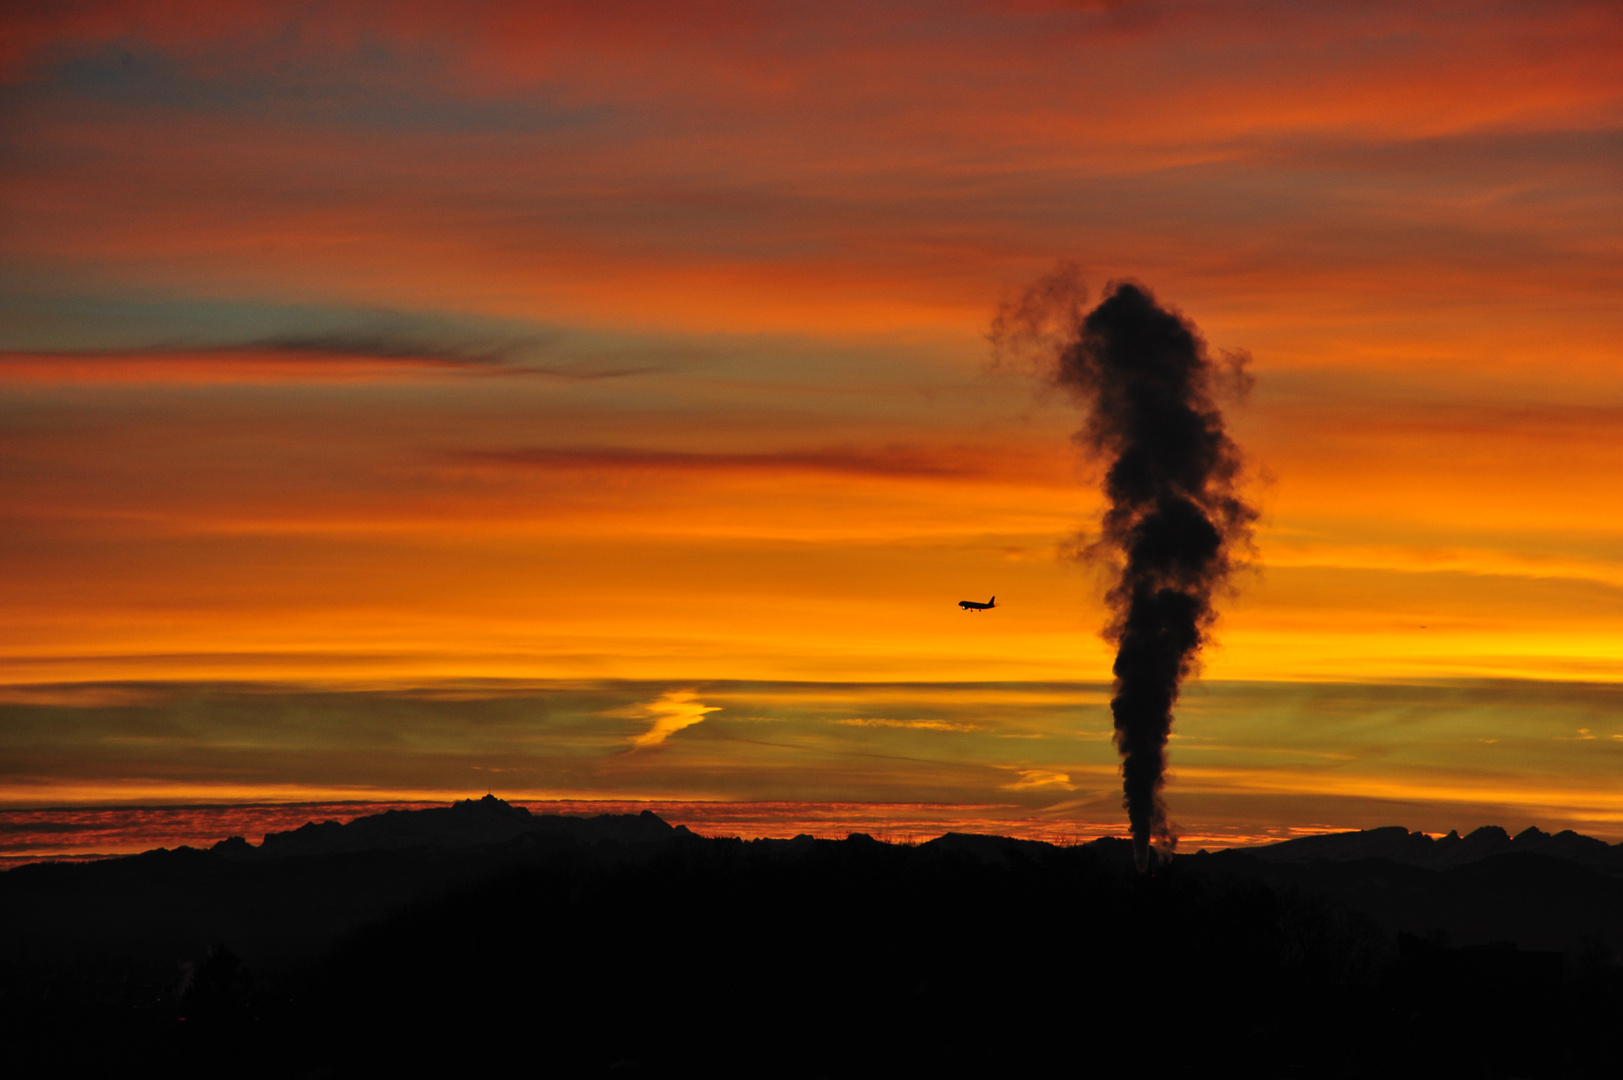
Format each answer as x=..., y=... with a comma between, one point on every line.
x=1174, y=520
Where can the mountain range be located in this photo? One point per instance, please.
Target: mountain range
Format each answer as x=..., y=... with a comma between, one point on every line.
x=490, y=820
x=465, y=824
x=1418, y=849
x=430, y=940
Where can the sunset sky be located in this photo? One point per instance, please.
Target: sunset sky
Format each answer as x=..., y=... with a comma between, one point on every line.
x=582, y=401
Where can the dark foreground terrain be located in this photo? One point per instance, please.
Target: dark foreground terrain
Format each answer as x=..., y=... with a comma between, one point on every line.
x=477, y=937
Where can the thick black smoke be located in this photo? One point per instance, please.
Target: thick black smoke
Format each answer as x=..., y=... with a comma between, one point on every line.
x=1174, y=519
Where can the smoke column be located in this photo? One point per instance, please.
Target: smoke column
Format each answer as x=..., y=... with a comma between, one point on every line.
x=1174, y=519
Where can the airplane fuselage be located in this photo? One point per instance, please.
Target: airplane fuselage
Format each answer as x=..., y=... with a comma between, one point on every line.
x=975, y=605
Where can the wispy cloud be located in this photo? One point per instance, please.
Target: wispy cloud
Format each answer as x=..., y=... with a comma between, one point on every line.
x=395, y=346
x=884, y=462
x=505, y=355
x=671, y=711
x=917, y=725
x=319, y=357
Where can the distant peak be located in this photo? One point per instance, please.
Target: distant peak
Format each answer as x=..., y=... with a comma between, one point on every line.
x=1488, y=832
x=490, y=804
x=235, y=847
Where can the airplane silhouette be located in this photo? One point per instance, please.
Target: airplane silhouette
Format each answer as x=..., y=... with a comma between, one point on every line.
x=970, y=605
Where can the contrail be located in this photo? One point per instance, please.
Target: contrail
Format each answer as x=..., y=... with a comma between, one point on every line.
x=1148, y=383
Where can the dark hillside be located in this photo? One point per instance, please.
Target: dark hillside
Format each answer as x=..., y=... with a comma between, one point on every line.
x=820, y=958
x=1537, y=902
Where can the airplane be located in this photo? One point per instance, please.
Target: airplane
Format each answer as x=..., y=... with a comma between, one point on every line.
x=970, y=605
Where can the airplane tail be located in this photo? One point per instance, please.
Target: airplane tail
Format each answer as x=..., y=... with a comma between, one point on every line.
x=992, y=602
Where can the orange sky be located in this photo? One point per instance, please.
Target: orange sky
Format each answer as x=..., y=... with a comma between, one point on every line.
x=364, y=348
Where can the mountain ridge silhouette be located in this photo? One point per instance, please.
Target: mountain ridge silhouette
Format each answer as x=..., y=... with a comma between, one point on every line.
x=465, y=823
x=1398, y=844
x=491, y=820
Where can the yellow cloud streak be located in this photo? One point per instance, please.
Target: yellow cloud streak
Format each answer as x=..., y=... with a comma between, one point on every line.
x=672, y=711
x=1031, y=779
